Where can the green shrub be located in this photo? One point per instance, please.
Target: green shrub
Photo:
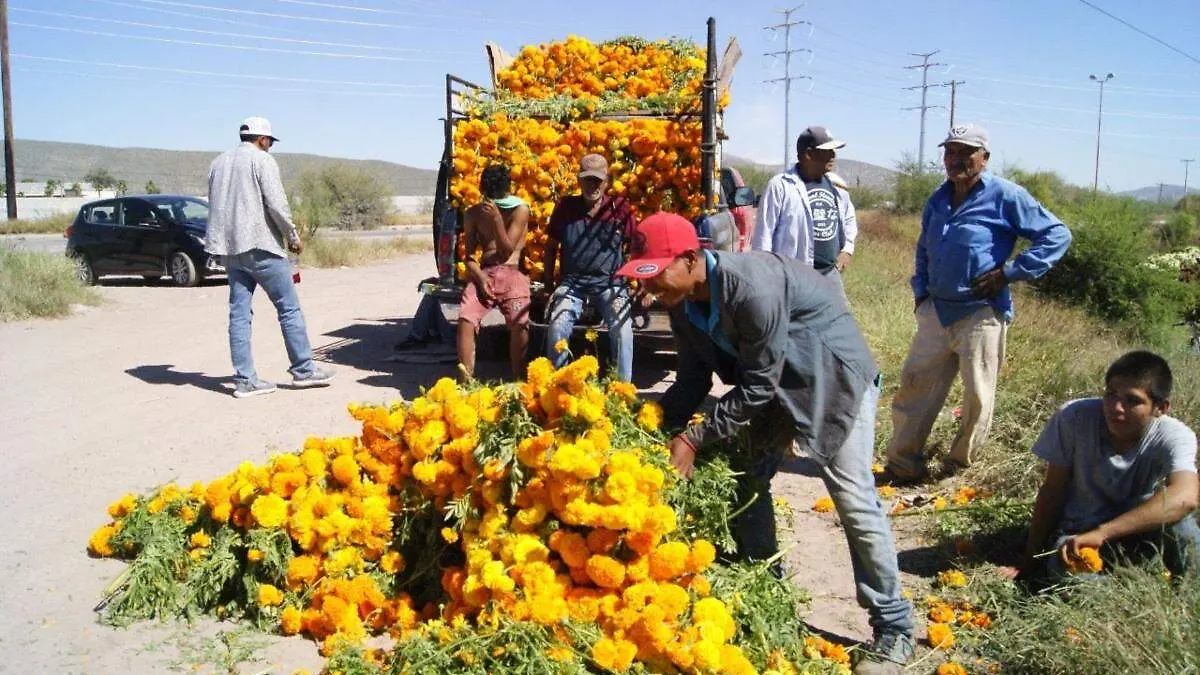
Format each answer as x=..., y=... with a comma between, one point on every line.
x=340, y=197
x=1105, y=269
x=39, y=285
x=1177, y=232
x=914, y=185
x=867, y=197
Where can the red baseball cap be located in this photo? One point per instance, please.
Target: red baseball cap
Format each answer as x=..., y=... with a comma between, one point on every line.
x=659, y=239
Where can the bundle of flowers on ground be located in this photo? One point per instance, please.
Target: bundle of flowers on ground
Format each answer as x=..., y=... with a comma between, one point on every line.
x=535, y=527
x=636, y=102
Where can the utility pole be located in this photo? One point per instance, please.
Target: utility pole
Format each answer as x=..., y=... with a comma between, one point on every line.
x=1099, y=117
x=10, y=171
x=1160, y=189
x=953, y=93
x=787, y=78
x=1186, y=162
x=925, y=65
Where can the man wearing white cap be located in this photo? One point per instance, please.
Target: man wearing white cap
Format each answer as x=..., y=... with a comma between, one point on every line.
x=969, y=230
x=249, y=226
x=806, y=212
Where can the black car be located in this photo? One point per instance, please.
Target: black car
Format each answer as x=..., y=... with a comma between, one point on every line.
x=148, y=235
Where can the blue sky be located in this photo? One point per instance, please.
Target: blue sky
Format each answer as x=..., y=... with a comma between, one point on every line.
x=364, y=78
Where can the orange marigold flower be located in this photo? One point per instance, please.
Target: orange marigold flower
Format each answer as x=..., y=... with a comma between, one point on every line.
x=1087, y=562
x=200, y=539
x=941, y=636
x=823, y=505
x=254, y=555
x=952, y=579
x=290, y=620
x=269, y=596
x=99, y=544
x=270, y=510
x=941, y=613
x=951, y=668
x=669, y=560
x=702, y=556
x=605, y=572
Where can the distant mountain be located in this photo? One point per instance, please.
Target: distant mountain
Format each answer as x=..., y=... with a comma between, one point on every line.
x=1151, y=193
x=184, y=171
x=854, y=172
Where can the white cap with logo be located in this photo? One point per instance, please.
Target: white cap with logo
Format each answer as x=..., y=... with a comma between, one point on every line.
x=968, y=134
x=257, y=126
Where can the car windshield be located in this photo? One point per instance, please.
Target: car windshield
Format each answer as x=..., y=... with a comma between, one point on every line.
x=182, y=209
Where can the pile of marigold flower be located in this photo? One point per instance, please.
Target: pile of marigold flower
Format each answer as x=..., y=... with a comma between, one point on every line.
x=480, y=528
x=555, y=103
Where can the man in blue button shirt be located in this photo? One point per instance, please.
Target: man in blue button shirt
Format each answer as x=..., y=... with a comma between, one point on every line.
x=962, y=301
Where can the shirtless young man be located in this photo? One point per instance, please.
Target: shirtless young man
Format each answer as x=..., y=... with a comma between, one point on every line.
x=495, y=226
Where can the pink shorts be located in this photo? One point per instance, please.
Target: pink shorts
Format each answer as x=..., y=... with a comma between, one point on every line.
x=510, y=293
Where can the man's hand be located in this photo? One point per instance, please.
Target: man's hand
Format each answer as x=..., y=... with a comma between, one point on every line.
x=843, y=261
x=989, y=283
x=491, y=213
x=483, y=283
x=295, y=244
x=683, y=457
x=1090, y=539
x=644, y=298
x=1021, y=569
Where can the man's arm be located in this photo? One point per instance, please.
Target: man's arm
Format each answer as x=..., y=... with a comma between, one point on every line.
x=1048, y=236
x=279, y=215
x=553, y=234
x=849, y=230
x=475, y=273
x=1047, y=513
x=511, y=237
x=1173, y=501
x=763, y=324
x=768, y=216
x=920, y=278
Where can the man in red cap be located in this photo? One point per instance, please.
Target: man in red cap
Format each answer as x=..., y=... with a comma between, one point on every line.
x=778, y=331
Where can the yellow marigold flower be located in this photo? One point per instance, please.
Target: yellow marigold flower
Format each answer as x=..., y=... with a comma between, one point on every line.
x=269, y=596
x=560, y=346
x=449, y=535
x=939, y=503
x=650, y=416
x=200, y=539
x=886, y=491
x=302, y=571
x=254, y=555
x=392, y=562
x=951, y=668
x=99, y=543
x=877, y=468
x=941, y=613
x=707, y=655
x=345, y=469
x=702, y=556
x=605, y=572
x=560, y=654
x=941, y=636
x=964, y=495
x=952, y=579
x=620, y=487
x=669, y=560
x=269, y=510
x=1087, y=562
x=123, y=506
x=591, y=335
x=626, y=391
x=823, y=505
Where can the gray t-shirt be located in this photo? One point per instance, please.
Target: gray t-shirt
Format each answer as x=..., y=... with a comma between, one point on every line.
x=1105, y=484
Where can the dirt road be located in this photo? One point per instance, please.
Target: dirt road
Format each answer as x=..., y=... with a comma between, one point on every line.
x=135, y=393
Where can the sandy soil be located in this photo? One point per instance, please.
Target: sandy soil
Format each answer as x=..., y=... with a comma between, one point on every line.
x=135, y=393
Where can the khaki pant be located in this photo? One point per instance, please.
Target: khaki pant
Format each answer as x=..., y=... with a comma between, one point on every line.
x=973, y=348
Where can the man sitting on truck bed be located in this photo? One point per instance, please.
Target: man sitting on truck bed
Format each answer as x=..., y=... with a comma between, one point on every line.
x=591, y=229
x=496, y=228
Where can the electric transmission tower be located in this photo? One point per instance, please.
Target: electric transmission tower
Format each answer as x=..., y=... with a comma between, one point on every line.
x=786, y=26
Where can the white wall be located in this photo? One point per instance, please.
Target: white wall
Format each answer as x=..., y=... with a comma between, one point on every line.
x=45, y=207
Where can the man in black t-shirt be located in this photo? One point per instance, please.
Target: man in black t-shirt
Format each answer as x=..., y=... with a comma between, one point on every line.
x=591, y=231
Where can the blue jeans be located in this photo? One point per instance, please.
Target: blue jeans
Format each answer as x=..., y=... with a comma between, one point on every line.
x=566, y=304
x=429, y=323
x=246, y=271
x=851, y=484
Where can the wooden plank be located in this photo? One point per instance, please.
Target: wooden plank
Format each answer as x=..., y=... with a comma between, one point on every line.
x=733, y=53
x=498, y=60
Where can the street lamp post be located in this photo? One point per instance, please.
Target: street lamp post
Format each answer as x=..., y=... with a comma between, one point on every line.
x=1099, y=117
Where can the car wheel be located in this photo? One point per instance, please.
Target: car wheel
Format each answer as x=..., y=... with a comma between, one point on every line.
x=183, y=269
x=84, y=271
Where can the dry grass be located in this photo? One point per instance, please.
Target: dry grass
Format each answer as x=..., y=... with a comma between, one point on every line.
x=359, y=251
x=39, y=285
x=52, y=225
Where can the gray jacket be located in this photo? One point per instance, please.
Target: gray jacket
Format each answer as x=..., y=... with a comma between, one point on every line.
x=248, y=208
x=796, y=343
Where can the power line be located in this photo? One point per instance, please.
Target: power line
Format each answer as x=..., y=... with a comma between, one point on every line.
x=230, y=85
x=376, y=10
x=139, y=24
x=183, y=71
x=925, y=65
x=787, y=78
x=189, y=15
x=1125, y=23
x=298, y=17
x=273, y=50
x=1119, y=113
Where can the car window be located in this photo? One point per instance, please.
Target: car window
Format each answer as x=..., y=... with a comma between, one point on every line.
x=139, y=213
x=101, y=213
x=728, y=182
x=195, y=212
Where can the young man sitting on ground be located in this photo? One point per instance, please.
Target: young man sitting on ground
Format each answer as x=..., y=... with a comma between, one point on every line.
x=1120, y=477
